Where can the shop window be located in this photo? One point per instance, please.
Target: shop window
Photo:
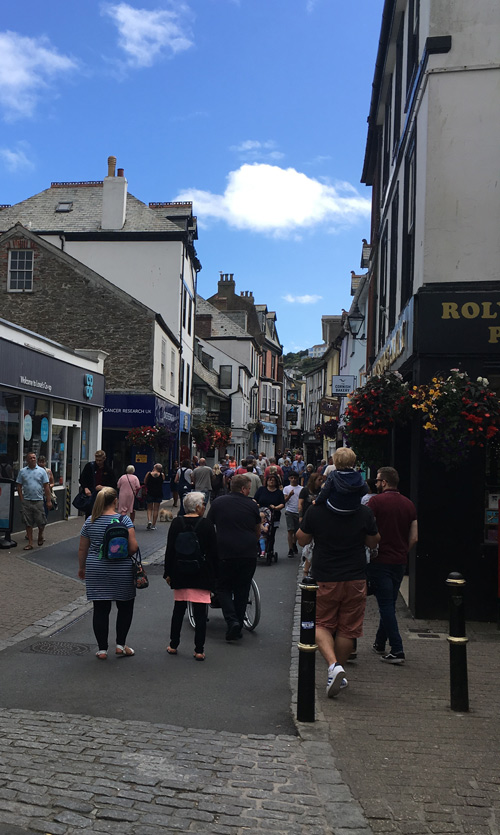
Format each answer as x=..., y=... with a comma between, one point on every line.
x=20, y=271
x=36, y=426
x=58, y=410
x=58, y=447
x=10, y=405
x=73, y=413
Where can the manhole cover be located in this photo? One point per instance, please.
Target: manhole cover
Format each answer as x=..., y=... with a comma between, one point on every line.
x=58, y=648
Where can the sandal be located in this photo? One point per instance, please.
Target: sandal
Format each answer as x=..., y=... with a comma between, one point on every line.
x=124, y=652
x=171, y=651
x=28, y=548
x=41, y=541
x=102, y=654
x=199, y=656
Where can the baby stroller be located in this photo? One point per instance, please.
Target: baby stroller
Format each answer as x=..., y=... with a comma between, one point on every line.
x=268, y=553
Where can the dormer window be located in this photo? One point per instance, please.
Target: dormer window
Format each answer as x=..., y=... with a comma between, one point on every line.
x=65, y=206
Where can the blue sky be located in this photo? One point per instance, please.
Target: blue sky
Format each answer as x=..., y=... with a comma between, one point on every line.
x=254, y=109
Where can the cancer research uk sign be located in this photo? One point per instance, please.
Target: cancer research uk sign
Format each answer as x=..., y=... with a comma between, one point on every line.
x=343, y=385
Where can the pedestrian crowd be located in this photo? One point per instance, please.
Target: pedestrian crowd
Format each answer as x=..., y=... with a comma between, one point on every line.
x=355, y=537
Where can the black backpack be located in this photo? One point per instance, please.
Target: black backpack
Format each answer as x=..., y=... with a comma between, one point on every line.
x=188, y=553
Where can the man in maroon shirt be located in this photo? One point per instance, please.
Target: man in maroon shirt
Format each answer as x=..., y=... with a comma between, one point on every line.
x=397, y=524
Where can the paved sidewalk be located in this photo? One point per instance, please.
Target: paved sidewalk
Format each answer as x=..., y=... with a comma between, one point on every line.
x=415, y=766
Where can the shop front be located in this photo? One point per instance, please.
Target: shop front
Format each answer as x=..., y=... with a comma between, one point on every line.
x=267, y=441
x=449, y=327
x=125, y=412
x=50, y=404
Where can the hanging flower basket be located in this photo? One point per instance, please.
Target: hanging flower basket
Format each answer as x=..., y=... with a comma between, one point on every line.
x=256, y=428
x=157, y=437
x=458, y=414
x=373, y=410
x=207, y=436
x=326, y=430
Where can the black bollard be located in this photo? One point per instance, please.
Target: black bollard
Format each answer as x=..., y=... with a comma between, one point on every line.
x=306, y=689
x=459, y=688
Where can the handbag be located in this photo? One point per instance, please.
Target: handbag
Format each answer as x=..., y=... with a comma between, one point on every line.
x=140, y=577
x=81, y=501
x=53, y=499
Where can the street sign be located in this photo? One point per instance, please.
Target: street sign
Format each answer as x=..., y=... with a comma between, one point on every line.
x=343, y=385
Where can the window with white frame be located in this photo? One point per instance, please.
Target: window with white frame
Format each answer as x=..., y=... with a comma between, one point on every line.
x=172, y=373
x=188, y=384
x=273, y=400
x=225, y=376
x=163, y=365
x=20, y=271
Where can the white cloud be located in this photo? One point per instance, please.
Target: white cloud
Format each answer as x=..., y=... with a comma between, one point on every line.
x=27, y=66
x=253, y=149
x=301, y=299
x=278, y=201
x=146, y=35
x=16, y=159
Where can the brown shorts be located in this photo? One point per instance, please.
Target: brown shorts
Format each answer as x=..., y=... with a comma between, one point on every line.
x=340, y=607
x=33, y=514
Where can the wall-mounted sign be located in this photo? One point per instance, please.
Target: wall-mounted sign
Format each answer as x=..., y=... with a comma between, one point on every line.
x=292, y=396
x=458, y=322
x=141, y=459
x=330, y=407
x=491, y=517
x=269, y=428
x=88, y=386
x=399, y=346
x=342, y=385
x=292, y=416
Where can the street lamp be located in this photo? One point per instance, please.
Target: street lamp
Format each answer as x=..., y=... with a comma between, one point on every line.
x=356, y=320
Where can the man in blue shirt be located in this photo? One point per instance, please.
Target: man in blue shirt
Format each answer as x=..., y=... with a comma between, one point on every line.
x=32, y=485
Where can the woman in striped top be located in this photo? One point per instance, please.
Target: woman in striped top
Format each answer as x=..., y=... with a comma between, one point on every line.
x=107, y=580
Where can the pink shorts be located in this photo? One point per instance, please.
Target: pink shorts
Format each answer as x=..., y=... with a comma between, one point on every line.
x=340, y=607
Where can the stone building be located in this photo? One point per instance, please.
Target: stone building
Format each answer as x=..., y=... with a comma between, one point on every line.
x=148, y=252
x=64, y=300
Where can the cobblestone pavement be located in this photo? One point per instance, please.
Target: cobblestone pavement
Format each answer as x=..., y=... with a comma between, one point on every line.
x=65, y=774
x=416, y=767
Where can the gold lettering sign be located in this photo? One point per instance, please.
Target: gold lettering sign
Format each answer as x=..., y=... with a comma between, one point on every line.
x=474, y=310
x=392, y=351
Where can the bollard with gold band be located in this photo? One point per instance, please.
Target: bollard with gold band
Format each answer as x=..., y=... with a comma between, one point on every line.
x=306, y=689
x=459, y=688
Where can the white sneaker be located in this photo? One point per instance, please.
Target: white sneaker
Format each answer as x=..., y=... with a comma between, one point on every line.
x=336, y=675
x=148, y=526
x=153, y=527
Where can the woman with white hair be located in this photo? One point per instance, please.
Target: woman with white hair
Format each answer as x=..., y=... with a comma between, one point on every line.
x=190, y=570
x=128, y=486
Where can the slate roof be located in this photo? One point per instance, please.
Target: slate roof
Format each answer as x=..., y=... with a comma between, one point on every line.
x=222, y=325
x=38, y=213
x=211, y=378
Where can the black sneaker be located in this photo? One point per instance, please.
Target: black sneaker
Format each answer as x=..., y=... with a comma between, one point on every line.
x=290, y=553
x=378, y=649
x=233, y=632
x=394, y=658
x=295, y=549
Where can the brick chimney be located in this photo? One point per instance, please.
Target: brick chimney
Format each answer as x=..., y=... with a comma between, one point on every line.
x=203, y=325
x=114, y=198
x=227, y=285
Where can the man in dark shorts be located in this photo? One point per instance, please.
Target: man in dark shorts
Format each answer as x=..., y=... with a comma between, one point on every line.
x=341, y=530
x=237, y=521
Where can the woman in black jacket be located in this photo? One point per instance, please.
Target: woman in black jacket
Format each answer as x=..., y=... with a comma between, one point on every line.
x=190, y=570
